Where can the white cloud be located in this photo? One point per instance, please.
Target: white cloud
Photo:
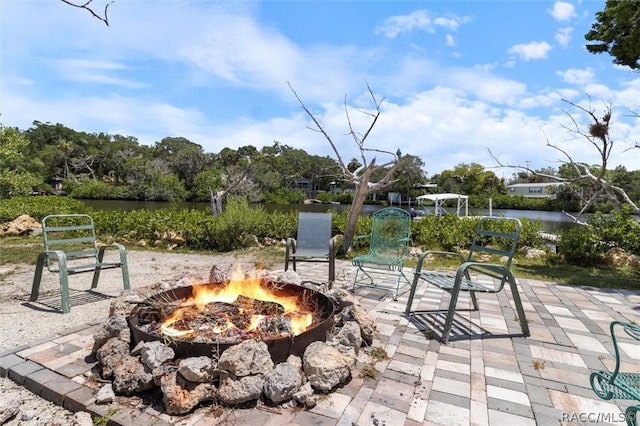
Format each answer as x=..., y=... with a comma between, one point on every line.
x=531, y=51
x=577, y=76
x=419, y=20
x=450, y=41
x=563, y=11
x=563, y=36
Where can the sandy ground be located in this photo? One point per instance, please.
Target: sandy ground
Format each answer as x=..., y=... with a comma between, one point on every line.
x=23, y=322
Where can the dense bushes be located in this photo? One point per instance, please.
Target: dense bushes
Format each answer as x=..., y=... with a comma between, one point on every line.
x=587, y=245
x=38, y=207
x=453, y=233
x=239, y=226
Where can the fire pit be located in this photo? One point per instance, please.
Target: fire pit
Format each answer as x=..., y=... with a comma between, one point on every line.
x=206, y=319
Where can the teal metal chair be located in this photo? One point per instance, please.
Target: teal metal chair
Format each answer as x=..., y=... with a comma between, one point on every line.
x=616, y=384
x=388, y=249
x=313, y=242
x=70, y=247
x=494, y=236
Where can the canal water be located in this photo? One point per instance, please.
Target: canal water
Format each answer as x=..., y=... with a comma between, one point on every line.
x=552, y=222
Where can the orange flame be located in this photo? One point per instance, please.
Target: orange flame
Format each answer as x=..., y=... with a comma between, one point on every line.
x=239, y=285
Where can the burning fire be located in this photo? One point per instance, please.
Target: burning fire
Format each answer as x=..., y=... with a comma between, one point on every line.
x=299, y=315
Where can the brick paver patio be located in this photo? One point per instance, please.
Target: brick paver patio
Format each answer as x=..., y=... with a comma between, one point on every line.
x=488, y=374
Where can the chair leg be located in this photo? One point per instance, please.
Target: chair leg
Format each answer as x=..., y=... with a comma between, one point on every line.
x=125, y=272
x=631, y=414
x=37, y=278
x=412, y=293
x=474, y=300
x=516, y=300
x=450, y=313
x=332, y=270
x=64, y=286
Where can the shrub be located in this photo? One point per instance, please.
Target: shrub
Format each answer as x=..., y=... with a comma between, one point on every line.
x=581, y=246
x=96, y=190
x=39, y=207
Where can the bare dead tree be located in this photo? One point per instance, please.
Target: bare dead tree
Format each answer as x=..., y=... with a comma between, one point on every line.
x=216, y=197
x=87, y=6
x=361, y=177
x=597, y=135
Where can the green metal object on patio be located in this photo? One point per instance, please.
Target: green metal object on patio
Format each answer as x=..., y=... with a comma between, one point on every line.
x=388, y=249
x=494, y=236
x=70, y=247
x=616, y=384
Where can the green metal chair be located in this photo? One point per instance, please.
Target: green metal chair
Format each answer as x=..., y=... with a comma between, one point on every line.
x=494, y=236
x=70, y=247
x=616, y=384
x=313, y=242
x=388, y=249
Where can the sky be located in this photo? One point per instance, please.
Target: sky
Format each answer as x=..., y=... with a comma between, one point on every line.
x=458, y=81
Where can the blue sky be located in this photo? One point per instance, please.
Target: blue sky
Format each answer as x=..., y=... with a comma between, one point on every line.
x=458, y=77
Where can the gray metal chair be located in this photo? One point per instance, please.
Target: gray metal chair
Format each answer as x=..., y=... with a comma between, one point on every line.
x=313, y=242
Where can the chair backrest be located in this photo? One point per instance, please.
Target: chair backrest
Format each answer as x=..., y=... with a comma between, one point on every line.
x=495, y=236
x=314, y=231
x=390, y=233
x=72, y=233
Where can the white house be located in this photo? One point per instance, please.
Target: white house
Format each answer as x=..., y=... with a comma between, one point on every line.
x=535, y=190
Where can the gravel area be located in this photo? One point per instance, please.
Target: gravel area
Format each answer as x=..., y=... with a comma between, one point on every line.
x=22, y=322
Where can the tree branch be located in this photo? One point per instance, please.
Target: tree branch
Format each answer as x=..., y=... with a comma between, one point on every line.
x=86, y=6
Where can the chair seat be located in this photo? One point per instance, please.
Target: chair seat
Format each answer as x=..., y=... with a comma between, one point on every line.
x=447, y=281
x=376, y=259
x=91, y=267
x=310, y=253
x=625, y=385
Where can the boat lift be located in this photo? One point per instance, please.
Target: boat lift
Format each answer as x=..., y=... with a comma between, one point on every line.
x=462, y=208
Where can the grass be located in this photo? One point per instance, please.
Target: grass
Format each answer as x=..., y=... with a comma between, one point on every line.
x=14, y=250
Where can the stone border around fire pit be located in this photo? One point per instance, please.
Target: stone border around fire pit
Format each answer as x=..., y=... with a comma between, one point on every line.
x=243, y=376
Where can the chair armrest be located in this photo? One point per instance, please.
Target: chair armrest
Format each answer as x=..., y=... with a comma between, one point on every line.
x=496, y=268
x=424, y=254
x=290, y=246
x=632, y=330
x=360, y=237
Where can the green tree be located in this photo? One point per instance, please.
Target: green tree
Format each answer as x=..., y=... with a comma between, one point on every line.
x=617, y=32
x=15, y=178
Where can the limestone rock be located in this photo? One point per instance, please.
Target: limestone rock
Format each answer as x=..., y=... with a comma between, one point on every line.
x=304, y=395
x=9, y=408
x=156, y=353
x=180, y=396
x=249, y=357
x=350, y=335
x=533, y=253
x=105, y=395
x=82, y=418
x=617, y=257
x=131, y=376
x=282, y=382
x=124, y=303
x=366, y=322
x=107, y=330
x=21, y=225
x=201, y=369
x=237, y=391
x=110, y=355
x=325, y=366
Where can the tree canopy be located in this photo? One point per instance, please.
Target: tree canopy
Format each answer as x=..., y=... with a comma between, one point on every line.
x=617, y=32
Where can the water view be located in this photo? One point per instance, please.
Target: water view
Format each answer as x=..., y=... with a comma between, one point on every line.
x=552, y=222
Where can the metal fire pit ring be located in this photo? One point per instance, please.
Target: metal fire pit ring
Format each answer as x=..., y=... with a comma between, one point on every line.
x=280, y=348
